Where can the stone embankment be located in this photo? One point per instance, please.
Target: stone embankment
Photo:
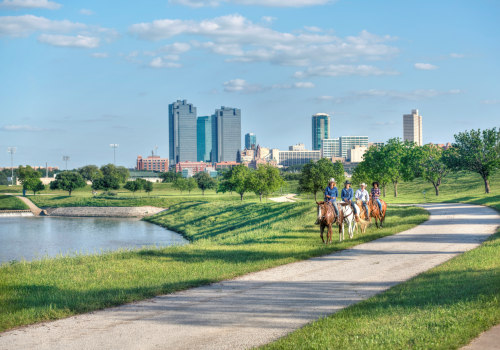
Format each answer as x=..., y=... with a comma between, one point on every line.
x=117, y=212
x=16, y=213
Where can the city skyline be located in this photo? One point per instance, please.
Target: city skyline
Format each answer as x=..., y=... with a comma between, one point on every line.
x=77, y=79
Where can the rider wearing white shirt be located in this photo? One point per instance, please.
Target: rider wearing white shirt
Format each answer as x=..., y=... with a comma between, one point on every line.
x=363, y=196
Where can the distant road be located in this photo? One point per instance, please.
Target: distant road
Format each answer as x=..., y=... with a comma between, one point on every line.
x=260, y=307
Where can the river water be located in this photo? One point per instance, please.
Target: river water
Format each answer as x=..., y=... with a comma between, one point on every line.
x=32, y=238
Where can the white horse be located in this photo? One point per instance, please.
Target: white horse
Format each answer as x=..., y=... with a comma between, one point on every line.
x=347, y=217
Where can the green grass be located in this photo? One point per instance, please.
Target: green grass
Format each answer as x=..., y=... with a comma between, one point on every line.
x=463, y=187
x=228, y=239
x=11, y=203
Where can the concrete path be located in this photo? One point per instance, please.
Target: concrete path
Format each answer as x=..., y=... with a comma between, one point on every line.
x=287, y=198
x=34, y=209
x=489, y=340
x=260, y=307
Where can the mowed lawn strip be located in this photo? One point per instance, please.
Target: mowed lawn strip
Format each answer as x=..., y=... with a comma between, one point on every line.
x=228, y=239
x=443, y=308
x=12, y=203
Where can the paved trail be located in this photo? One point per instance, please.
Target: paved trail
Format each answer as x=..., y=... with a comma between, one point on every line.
x=260, y=307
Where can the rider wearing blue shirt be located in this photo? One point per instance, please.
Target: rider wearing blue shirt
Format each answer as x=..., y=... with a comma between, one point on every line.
x=331, y=194
x=347, y=196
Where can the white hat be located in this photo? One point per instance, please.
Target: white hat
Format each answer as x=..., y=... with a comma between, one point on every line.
x=331, y=180
x=363, y=184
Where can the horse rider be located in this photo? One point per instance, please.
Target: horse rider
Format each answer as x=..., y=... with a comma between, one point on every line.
x=376, y=195
x=331, y=194
x=363, y=196
x=347, y=196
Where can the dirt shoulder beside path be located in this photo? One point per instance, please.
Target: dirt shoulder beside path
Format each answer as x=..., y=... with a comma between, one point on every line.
x=260, y=307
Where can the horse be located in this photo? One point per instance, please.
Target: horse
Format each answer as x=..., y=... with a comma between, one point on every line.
x=346, y=216
x=326, y=217
x=363, y=215
x=375, y=211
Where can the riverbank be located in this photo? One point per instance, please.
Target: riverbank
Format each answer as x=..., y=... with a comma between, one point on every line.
x=116, y=212
x=228, y=239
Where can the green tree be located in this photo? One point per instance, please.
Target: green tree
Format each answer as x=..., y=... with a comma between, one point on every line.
x=141, y=183
x=265, y=180
x=205, y=181
x=33, y=184
x=314, y=176
x=433, y=165
x=106, y=183
x=27, y=172
x=237, y=179
x=68, y=181
x=191, y=184
x=169, y=176
x=90, y=173
x=373, y=168
x=180, y=184
x=148, y=187
x=120, y=173
x=476, y=151
x=132, y=186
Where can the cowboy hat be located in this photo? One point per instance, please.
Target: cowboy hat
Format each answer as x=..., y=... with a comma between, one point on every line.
x=347, y=182
x=363, y=184
x=331, y=180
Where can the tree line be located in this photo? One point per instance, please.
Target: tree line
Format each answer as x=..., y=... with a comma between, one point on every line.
x=477, y=151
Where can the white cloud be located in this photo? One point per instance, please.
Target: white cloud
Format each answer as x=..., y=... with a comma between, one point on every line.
x=313, y=29
x=86, y=12
x=18, y=4
x=244, y=41
x=21, y=128
x=268, y=19
x=100, y=55
x=457, y=55
x=414, y=95
x=242, y=86
x=25, y=25
x=80, y=41
x=176, y=48
x=425, y=66
x=159, y=62
x=269, y=3
x=334, y=70
x=490, y=102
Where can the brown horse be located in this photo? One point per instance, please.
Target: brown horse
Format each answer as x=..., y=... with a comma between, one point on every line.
x=364, y=216
x=375, y=211
x=326, y=218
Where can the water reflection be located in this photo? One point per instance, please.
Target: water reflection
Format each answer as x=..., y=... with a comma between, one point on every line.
x=35, y=237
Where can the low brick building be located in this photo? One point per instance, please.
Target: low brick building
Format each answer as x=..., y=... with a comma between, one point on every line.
x=152, y=163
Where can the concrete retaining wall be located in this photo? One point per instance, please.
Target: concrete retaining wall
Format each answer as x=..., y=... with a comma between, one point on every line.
x=118, y=212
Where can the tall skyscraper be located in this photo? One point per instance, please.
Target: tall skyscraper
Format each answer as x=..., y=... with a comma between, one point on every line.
x=250, y=141
x=320, y=129
x=412, y=127
x=182, y=132
x=226, y=134
x=349, y=142
x=204, y=138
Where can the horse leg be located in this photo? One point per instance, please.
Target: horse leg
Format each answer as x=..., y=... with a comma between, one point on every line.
x=330, y=233
x=322, y=228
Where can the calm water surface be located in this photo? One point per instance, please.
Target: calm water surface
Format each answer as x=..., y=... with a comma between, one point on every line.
x=36, y=237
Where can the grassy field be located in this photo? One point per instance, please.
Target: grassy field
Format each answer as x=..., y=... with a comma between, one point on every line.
x=228, y=239
x=11, y=203
x=464, y=187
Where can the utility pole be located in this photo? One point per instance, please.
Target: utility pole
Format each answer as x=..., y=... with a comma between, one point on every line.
x=12, y=150
x=114, y=146
x=66, y=158
x=46, y=170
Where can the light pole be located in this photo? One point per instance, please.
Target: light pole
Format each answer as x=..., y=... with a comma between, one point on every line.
x=12, y=150
x=66, y=158
x=114, y=146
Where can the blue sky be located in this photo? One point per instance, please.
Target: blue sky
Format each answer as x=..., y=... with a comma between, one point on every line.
x=78, y=75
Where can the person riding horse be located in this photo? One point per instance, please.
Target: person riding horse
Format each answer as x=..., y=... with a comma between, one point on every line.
x=376, y=194
x=363, y=196
x=331, y=194
x=347, y=196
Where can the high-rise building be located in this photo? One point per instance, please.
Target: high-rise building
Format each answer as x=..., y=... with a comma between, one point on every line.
x=330, y=148
x=226, y=134
x=412, y=127
x=320, y=129
x=250, y=141
x=349, y=142
x=182, y=132
x=204, y=138
x=297, y=155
